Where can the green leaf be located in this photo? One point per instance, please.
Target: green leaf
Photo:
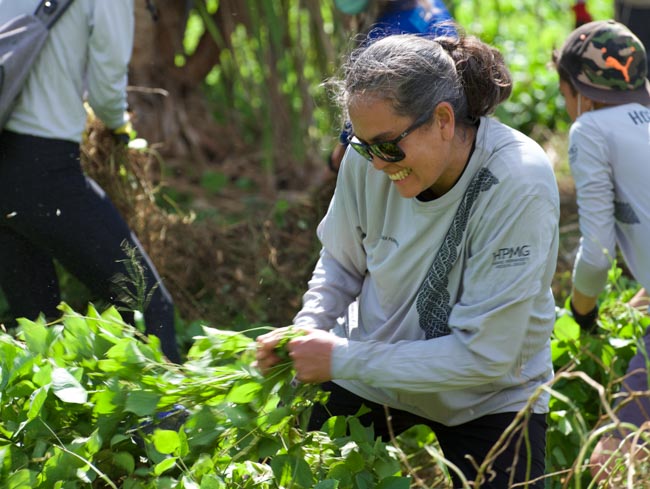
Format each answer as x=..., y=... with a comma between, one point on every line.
x=93, y=443
x=164, y=466
x=128, y=352
x=360, y=433
x=211, y=481
x=21, y=479
x=104, y=402
x=327, y=484
x=121, y=462
x=142, y=403
x=67, y=388
x=43, y=375
x=267, y=447
x=117, y=439
x=36, y=401
x=395, y=483
x=355, y=461
x=564, y=426
x=243, y=393
x=336, y=427
x=79, y=337
x=365, y=480
x=340, y=472
x=289, y=469
x=238, y=415
x=113, y=317
x=166, y=441
x=278, y=415
x=35, y=334
x=386, y=467
x=566, y=329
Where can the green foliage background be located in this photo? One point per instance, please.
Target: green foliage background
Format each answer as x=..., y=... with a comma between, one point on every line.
x=306, y=42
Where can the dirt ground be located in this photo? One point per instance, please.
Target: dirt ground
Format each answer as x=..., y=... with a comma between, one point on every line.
x=253, y=265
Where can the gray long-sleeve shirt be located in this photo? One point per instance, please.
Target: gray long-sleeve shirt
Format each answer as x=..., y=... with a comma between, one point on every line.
x=609, y=155
x=87, y=52
x=448, y=339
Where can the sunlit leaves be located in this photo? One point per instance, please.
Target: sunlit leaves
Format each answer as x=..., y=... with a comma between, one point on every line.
x=87, y=399
x=67, y=388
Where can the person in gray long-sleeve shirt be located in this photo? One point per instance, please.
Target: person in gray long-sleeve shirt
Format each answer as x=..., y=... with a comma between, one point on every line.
x=603, y=73
x=49, y=210
x=432, y=293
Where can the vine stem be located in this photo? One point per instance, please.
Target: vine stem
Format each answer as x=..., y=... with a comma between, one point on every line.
x=60, y=446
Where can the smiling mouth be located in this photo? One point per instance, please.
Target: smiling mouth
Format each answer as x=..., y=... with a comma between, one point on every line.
x=400, y=175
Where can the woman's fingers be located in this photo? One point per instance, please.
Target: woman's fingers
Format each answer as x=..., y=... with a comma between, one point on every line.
x=265, y=356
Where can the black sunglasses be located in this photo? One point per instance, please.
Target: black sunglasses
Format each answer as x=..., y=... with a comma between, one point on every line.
x=388, y=151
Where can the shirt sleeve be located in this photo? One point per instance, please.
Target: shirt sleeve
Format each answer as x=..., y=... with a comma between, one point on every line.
x=331, y=290
x=595, y=196
x=491, y=320
x=339, y=273
x=111, y=43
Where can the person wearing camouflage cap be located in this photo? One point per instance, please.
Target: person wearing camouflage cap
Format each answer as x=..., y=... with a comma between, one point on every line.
x=603, y=72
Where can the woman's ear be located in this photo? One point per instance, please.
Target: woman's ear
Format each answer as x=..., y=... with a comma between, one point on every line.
x=445, y=120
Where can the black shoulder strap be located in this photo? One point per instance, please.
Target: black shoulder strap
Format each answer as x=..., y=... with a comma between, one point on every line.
x=49, y=11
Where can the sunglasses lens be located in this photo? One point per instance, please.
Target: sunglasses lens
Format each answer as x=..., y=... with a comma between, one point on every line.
x=362, y=149
x=389, y=152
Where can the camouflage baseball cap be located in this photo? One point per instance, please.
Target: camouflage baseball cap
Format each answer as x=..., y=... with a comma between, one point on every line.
x=606, y=63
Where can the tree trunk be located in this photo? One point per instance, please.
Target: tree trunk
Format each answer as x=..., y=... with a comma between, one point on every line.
x=169, y=109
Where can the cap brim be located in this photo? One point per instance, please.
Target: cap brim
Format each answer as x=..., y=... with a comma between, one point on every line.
x=640, y=95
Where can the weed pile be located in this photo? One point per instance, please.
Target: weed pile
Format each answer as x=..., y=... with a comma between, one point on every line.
x=249, y=271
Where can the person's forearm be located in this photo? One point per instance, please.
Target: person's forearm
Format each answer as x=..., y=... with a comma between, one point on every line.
x=582, y=303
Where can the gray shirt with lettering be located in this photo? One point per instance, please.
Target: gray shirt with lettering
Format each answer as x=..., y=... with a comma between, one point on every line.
x=445, y=306
x=609, y=155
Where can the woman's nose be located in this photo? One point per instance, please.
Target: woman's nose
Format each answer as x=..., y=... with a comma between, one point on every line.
x=378, y=163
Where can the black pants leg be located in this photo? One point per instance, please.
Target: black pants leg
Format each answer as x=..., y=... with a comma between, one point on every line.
x=25, y=267
x=473, y=439
x=50, y=210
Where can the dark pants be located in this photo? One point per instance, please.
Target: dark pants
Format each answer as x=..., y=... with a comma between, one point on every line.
x=474, y=439
x=50, y=210
x=637, y=409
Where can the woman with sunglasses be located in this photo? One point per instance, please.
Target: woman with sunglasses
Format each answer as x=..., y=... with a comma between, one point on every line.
x=431, y=297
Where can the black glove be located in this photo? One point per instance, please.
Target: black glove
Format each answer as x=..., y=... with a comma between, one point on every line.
x=123, y=133
x=587, y=322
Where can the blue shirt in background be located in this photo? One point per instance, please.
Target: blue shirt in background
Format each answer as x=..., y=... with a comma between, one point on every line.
x=421, y=19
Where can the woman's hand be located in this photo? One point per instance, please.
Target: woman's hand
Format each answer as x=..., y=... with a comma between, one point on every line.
x=311, y=353
x=266, y=356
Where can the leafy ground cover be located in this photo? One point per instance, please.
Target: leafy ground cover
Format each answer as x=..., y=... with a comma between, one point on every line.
x=89, y=402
